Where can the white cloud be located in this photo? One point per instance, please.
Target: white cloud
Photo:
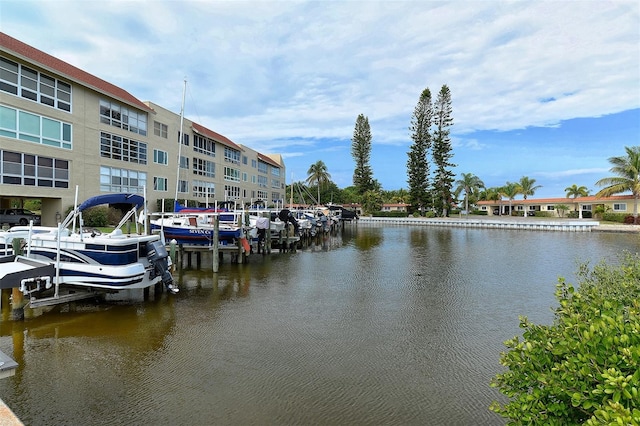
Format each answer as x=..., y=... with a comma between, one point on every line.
x=574, y=173
x=285, y=75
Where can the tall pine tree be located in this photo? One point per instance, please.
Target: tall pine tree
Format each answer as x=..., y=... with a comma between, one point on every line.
x=443, y=152
x=418, y=163
x=361, y=152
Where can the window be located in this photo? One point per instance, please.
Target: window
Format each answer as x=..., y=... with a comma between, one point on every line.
x=245, y=160
x=28, y=83
x=204, y=167
x=275, y=171
x=185, y=138
x=262, y=181
x=160, y=184
x=275, y=183
x=119, y=148
x=160, y=157
x=586, y=207
x=245, y=177
x=204, y=189
x=551, y=208
x=231, y=155
x=117, y=115
x=33, y=170
x=113, y=179
x=263, y=195
x=263, y=167
x=183, y=186
x=231, y=174
x=232, y=192
x=619, y=207
x=160, y=129
x=25, y=126
x=184, y=162
x=204, y=145
x=254, y=164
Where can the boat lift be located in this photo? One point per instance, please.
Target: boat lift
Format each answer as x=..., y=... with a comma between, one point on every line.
x=31, y=275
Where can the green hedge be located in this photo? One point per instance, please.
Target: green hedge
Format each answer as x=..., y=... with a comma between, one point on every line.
x=390, y=214
x=582, y=369
x=545, y=214
x=614, y=217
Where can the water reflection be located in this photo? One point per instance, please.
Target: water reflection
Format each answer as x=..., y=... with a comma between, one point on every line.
x=373, y=326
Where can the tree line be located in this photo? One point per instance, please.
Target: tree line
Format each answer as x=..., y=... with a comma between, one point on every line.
x=432, y=187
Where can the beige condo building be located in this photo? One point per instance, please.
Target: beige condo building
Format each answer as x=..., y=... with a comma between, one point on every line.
x=63, y=130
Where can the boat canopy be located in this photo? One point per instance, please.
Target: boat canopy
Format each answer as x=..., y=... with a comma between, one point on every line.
x=99, y=200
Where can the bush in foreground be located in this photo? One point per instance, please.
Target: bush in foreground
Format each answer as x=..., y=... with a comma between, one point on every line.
x=584, y=367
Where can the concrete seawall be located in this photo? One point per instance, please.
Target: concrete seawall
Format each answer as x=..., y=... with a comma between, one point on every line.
x=566, y=225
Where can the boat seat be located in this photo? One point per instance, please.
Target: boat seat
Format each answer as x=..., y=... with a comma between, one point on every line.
x=116, y=233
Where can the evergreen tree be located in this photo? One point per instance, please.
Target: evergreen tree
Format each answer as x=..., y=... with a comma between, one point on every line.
x=418, y=163
x=442, y=152
x=361, y=152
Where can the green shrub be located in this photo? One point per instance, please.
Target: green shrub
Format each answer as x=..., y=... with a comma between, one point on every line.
x=584, y=367
x=545, y=214
x=389, y=214
x=96, y=216
x=35, y=205
x=614, y=217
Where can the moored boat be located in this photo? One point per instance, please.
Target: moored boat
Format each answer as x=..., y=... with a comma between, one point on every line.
x=90, y=259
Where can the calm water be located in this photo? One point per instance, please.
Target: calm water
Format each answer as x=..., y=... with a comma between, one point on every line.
x=382, y=325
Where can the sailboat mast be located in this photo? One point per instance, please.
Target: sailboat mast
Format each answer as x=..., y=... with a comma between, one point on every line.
x=184, y=91
x=291, y=199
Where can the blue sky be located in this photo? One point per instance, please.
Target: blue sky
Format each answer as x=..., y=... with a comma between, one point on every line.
x=548, y=90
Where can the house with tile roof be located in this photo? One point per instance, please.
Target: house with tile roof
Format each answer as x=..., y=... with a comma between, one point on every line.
x=62, y=128
x=583, y=206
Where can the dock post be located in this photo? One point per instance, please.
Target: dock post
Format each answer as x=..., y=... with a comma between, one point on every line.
x=215, y=259
x=172, y=252
x=267, y=244
x=281, y=240
x=17, y=298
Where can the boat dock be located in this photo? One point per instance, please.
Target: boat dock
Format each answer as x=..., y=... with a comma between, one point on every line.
x=287, y=240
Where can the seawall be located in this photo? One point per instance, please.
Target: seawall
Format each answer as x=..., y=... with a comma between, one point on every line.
x=566, y=225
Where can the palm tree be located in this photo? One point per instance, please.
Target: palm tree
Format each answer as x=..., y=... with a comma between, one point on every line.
x=470, y=184
x=628, y=179
x=400, y=196
x=318, y=173
x=492, y=194
x=510, y=190
x=576, y=191
x=527, y=186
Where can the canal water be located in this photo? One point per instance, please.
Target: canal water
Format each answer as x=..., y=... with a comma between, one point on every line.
x=379, y=325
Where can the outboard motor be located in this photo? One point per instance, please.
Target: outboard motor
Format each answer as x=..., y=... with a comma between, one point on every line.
x=287, y=217
x=159, y=259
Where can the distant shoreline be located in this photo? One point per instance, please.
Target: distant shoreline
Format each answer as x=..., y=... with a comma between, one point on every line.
x=508, y=222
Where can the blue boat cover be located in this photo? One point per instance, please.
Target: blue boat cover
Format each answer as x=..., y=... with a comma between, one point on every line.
x=99, y=200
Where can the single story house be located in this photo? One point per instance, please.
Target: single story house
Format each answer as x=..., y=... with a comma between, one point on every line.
x=616, y=204
x=395, y=207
